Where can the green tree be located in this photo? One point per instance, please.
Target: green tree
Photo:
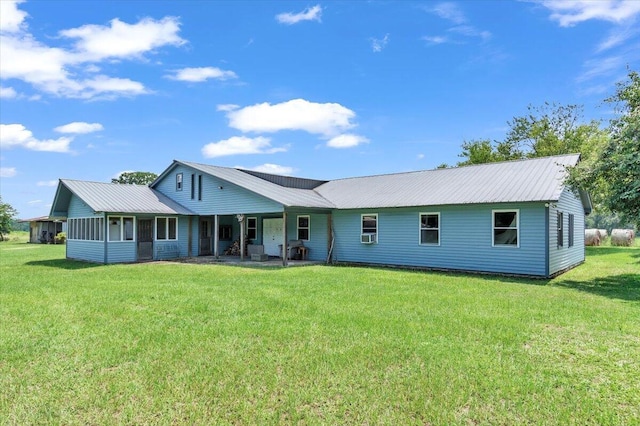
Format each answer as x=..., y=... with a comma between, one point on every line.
x=613, y=175
x=6, y=218
x=137, y=178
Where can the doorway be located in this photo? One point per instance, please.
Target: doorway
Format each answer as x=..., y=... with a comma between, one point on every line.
x=205, y=237
x=145, y=239
x=272, y=236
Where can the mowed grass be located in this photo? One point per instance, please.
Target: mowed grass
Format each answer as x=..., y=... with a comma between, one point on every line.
x=170, y=343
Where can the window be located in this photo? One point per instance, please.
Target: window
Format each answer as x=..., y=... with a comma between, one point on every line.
x=430, y=228
x=303, y=227
x=166, y=228
x=121, y=228
x=193, y=186
x=571, y=229
x=369, y=228
x=179, y=182
x=560, y=217
x=252, y=228
x=199, y=187
x=225, y=232
x=85, y=229
x=505, y=228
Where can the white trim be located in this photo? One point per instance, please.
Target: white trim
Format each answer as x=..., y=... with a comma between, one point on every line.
x=420, y=229
x=256, y=227
x=121, y=226
x=73, y=230
x=377, y=233
x=493, y=227
x=155, y=237
x=308, y=228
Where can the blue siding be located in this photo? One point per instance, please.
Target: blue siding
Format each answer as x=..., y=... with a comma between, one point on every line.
x=564, y=257
x=318, y=233
x=91, y=251
x=121, y=251
x=231, y=199
x=465, y=239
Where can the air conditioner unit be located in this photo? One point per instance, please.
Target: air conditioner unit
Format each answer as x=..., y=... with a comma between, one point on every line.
x=368, y=238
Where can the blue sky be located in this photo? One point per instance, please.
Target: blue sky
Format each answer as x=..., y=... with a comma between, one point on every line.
x=314, y=89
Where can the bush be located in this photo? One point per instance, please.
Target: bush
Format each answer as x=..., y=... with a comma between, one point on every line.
x=61, y=238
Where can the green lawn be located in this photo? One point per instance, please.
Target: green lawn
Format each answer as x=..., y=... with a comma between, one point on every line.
x=171, y=343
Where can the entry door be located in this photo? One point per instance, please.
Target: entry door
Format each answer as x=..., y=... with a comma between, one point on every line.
x=145, y=239
x=272, y=236
x=205, y=237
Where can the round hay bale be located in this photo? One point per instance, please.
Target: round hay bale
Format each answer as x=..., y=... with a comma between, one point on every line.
x=603, y=234
x=622, y=237
x=591, y=237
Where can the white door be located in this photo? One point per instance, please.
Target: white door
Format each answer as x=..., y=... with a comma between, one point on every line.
x=272, y=236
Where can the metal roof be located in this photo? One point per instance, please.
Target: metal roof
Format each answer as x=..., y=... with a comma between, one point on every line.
x=121, y=198
x=289, y=197
x=538, y=179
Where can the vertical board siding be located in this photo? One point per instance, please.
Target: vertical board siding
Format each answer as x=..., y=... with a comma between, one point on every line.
x=91, y=251
x=466, y=236
x=231, y=199
x=561, y=258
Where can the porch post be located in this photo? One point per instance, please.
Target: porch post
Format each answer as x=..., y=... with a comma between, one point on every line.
x=215, y=236
x=285, y=249
x=242, y=238
x=190, y=238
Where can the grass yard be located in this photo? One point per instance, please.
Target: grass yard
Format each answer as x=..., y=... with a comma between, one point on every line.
x=170, y=343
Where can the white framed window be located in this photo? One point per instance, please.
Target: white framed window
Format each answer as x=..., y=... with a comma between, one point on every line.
x=369, y=228
x=166, y=228
x=430, y=229
x=252, y=228
x=179, y=182
x=85, y=229
x=303, y=227
x=121, y=228
x=506, y=228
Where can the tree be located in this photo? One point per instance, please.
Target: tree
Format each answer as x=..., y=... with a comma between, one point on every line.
x=137, y=178
x=6, y=218
x=613, y=175
x=547, y=130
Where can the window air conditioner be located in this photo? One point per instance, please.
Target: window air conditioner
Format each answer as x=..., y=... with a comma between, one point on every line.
x=368, y=238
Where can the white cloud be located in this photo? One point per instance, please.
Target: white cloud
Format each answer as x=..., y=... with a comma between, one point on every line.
x=34, y=202
x=239, y=145
x=79, y=127
x=227, y=107
x=8, y=92
x=16, y=135
x=326, y=119
x=11, y=18
x=570, y=13
x=470, y=31
x=122, y=40
x=449, y=11
x=435, y=39
x=348, y=140
x=273, y=169
x=377, y=45
x=309, y=14
x=601, y=67
x=7, y=172
x=618, y=36
x=72, y=72
x=47, y=183
x=197, y=75
x=420, y=156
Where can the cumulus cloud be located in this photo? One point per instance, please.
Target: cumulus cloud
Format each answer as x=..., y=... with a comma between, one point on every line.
x=348, y=140
x=377, y=45
x=309, y=14
x=198, y=75
x=237, y=145
x=570, y=13
x=71, y=72
x=16, y=135
x=7, y=172
x=326, y=119
x=273, y=169
x=47, y=183
x=79, y=127
x=7, y=92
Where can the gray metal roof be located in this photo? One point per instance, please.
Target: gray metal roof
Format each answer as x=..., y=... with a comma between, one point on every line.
x=538, y=179
x=119, y=198
x=289, y=197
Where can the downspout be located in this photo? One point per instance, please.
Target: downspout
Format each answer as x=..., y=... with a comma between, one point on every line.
x=546, y=239
x=242, y=222
x=285, y=249
x=215, y=236
x=106, y=238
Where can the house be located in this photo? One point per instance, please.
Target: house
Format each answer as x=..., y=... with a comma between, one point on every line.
x=512, y=217
x=44, y=229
